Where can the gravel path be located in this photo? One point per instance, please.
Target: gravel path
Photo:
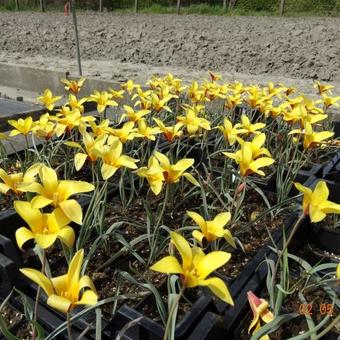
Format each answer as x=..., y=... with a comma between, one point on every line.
x=288, y=47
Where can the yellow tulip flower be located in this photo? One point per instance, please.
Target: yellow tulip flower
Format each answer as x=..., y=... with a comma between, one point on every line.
x=330, y=101
x=212, y=230
x=117, y=94
x=57, y=192
x=146, y=131
x=48, y=100
x=73, y=86
x=126, y=132
x=21, y=126
x=72, y=120
x=248, y=164
x=232, y=101
x=153, y=174
x=88, y=151
x=255, y=96
x=76, y=104
x=214, y=77
x=44, y=128
x=129, y=86
x=229, y=131
x=66, y=292
x=192, y=122
x=260, y=311
x=322, y=88
x=43, y=228
x=12, y=182
x=113, y=159
x=170, y=132
x=102, y=128
x=256, y=146
x=173, y=172
x=103, y=99
x=249, y=127
x=310, y=137
x=132, y=115
x=195, y=93
x=195, y=267
x=315, y=203
x=158, y=104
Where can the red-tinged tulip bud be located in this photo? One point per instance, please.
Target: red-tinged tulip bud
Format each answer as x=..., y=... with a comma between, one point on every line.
x=240, y=188
x=253, y=299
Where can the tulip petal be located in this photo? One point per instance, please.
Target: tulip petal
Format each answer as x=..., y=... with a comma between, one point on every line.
x=45, y=240
x=72, y=209
x=33, y=217
x=86, y=282
x=229, y=238
x=212, y=261
x=222, y=219
x=22, y=235
x=108, y=171
x=40, y=279
x=219, y=288
x=167, y=265
x=183, y=248
x=198, y=236
x=73, y=272
x=88, y=298
x=67, y=236
x=199, y=220
x=39, y=202
x=79, y=160
x=60, y=283
x=59, y=303
x=127, y=162
x=191, y=179
x=320, y=193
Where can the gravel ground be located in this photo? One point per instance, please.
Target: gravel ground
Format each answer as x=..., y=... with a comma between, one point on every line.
x=303, y=48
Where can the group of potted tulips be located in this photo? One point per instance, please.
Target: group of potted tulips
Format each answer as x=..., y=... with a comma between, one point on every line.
x=174, y=211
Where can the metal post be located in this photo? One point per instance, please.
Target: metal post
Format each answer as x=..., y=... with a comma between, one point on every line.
x=136, y=6
x=74, y=15
x=100, y=5
x=224, y=6
x=42, y=7
x=178, y=6
x=282, y=7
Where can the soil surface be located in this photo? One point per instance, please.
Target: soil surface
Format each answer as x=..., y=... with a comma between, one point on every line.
x=288, y=47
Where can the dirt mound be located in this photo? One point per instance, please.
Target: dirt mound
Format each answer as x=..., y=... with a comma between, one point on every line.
x=292, y=47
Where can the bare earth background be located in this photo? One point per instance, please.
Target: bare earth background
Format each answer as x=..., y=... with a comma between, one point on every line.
x=119, y=46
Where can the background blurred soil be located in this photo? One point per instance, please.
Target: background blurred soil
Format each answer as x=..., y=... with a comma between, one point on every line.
x=288, y=47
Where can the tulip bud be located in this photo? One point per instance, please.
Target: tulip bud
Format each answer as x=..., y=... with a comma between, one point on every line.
x=240, y=188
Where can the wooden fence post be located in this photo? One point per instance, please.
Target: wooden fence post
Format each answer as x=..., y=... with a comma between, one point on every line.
x=100, y=5
x=17, y=5
x=282, y=7
x=178, y=6
x=136, y=6
x=42, y=7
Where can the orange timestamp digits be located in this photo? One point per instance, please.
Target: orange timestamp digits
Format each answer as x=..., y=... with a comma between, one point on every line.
x=323, y=309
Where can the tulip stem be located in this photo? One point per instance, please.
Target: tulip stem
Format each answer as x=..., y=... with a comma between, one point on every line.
x=294, y=230
x=69, y=329
x=43, y=265
x=165, y=202
x=172, y=312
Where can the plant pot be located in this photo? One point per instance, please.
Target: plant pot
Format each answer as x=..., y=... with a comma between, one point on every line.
x=144, y=328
